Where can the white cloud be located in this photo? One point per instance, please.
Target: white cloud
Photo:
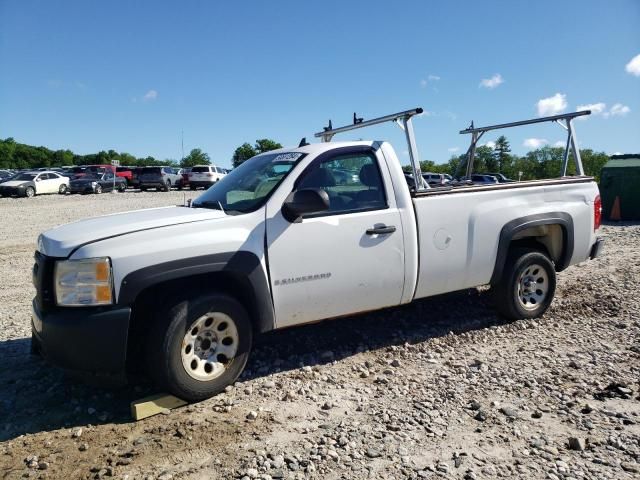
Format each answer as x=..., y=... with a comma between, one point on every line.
x=490, y=144
x=492, y=82
x=150, y=96
x=453, y=149
x=618, y=110
x=534, y=142
x=596, y=109
x=633, y=67
x=430, y=78
x=560, y=143
x=552, y=105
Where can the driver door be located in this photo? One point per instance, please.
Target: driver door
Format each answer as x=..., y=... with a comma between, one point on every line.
x=333, y=263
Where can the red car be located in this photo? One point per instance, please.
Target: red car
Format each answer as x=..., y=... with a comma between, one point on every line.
x=126, y=173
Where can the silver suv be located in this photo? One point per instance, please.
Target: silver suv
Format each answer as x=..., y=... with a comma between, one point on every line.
x=160, y=178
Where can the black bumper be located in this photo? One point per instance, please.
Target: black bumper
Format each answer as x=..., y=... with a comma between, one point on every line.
x=85, y=340
x=9, y=191
x=201, y=184
x=596, y=248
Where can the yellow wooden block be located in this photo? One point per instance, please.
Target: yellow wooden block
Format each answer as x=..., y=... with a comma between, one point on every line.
x=154, y=404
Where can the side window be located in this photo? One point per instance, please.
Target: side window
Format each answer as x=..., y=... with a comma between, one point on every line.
x=353, y=182
x=108, y=176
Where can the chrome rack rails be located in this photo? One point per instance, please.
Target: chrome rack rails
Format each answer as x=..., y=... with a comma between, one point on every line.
x=477, y=132
x=402, y=119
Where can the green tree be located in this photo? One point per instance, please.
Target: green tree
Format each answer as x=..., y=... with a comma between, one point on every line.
x=243, y=153
x=266, y=145
x=592, y=162
x=501, y=153
x=195, y=157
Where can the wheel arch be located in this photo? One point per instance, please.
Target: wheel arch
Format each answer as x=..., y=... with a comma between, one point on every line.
x=553, y=232
x=238, y=274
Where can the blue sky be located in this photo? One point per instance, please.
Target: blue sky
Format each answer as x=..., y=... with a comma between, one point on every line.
x=130, y=76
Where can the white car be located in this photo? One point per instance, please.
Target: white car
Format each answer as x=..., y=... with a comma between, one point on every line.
x=29, y=184
x=205, y=176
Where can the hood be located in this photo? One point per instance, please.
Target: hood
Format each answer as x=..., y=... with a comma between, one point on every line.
x=14, y=183
x=61, y=241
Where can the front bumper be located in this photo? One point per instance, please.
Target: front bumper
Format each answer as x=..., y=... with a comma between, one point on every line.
x=596, y=248
x=91, y=340
x=81, y=189
x=9, y=191
x=197, y=184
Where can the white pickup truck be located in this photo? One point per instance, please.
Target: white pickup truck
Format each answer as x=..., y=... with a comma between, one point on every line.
x=294, y=236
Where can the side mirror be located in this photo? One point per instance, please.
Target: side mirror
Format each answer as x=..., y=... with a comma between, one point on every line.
x=303, y=202
x=38, y=179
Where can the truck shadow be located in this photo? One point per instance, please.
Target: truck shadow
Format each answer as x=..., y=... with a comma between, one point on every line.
x=36, y=397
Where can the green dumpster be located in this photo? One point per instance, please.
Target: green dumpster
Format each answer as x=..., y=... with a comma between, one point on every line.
x=620, y=189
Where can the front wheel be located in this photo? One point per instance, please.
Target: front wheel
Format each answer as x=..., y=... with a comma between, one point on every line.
x=122, y=187
x=199, y=346
x=167, y=186
x=98, y=189
x=527, y=286
x=29, y=192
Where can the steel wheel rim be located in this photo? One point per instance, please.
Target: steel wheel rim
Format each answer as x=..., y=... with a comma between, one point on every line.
x=533, y=286
x=209, y=346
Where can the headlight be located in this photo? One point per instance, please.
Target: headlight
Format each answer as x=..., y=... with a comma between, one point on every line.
x=84, y=282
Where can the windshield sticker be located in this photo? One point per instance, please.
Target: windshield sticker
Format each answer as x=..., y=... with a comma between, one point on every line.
x=287, y=157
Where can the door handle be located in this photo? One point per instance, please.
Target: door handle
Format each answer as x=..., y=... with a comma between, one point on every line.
x=381, y=230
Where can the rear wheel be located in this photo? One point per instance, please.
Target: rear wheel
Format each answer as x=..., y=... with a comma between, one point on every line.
x=63, y=189
x=527, y=286
x=199, y=345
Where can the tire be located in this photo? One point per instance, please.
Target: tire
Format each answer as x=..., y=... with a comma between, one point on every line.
x=63, y=189
x=179, y=186
x=98, y=189
x=177, y=345
x=167, y=186
x=192, y=187
x=122, y=187
x=30, y=192
x=527, y=286
x=143, y=189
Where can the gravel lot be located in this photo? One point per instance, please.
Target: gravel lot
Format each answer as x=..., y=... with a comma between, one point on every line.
x=442, y=388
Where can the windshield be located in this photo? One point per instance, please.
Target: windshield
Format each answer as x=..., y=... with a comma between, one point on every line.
x=26, y=176
x=248, y=186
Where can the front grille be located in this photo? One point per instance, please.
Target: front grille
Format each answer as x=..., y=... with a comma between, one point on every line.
x=43, y=281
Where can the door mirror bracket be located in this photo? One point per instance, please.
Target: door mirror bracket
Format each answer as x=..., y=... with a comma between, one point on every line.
x=303, y=202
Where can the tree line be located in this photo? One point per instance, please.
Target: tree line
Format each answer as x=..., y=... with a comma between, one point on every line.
x=543, y=162
x=15, y=155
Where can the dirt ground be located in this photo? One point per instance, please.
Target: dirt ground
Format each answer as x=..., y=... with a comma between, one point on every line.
x=441, y=388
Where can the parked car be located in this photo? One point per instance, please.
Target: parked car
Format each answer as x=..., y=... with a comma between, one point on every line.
x=185, y=175
x=126, y=173
x=435, y=179
x=135, y=177
x=204, y=176
x=160, y=178
x=411, y=182
x=74, y=172
x=478, y=179
x=5, y=174
x=29, y=184
x=97, y=183
x=500, y=177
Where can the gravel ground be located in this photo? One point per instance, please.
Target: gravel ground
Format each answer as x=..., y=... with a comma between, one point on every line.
x=441, y=388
